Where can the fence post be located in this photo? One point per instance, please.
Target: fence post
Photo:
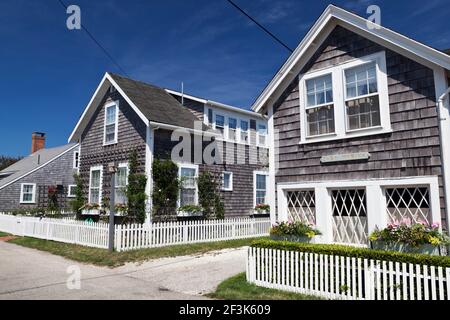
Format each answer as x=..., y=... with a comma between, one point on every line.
x=233, y=230
x=185, y=232
x=77, y=234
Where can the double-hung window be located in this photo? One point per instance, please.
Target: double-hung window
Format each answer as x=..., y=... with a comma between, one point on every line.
x=111, y=123
x=28, y=193
x=262, y=134
x=71, y=191
x=121, y=184
x=220, y=124
x=227, y=181
x=319, y=106
x=362, y=100
x=244, y=131
x=188, y=191
x=76, y=160
x=260, y=185
x=232, y=127
x=346, y=100
x=95, y=185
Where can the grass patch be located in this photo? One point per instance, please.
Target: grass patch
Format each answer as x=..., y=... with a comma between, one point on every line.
x=3, y=234
x=237, y=288
x=101, y=257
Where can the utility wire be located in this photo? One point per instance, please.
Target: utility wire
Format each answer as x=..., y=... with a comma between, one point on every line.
x=260, y=25
x=114, y=61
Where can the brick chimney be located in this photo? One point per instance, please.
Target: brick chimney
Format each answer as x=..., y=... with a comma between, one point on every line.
x=37, y=141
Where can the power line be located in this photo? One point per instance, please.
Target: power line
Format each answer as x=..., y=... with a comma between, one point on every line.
x=261, y=26
x=99, y=44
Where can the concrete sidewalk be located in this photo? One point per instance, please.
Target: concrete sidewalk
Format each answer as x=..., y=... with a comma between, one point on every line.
x=31, y=274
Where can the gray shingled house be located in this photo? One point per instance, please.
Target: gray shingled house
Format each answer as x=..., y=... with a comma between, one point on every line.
x=125, y=115
x=25, y=184
x=359, y=130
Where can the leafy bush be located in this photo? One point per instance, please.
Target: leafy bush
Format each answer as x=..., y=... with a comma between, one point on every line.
x=135, y=190
x=209, y=196
x=190, y=209
x=166, y=187
x=347, y=251
x=79, y=199
x=262, y=208
x=296, y=228
x=412, y=234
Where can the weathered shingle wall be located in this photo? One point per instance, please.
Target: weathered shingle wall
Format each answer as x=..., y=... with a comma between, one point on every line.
x=238, y=202
x=131, y=136
x=59, y=172
x=413, y=149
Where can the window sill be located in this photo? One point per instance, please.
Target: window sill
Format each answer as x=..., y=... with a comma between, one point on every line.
x=348, y=135
x=22, y=202
x=109, y=143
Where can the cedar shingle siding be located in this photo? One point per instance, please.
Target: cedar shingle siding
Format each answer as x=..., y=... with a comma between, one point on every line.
x=58, y=172
x=131, y=136
x=413, y=149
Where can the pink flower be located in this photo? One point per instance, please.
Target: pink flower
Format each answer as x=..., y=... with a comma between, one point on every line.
x=435, y=225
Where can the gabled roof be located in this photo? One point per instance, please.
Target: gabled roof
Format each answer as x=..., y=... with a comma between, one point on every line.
x=152, y=104
x=331, y=17
x=33, y=162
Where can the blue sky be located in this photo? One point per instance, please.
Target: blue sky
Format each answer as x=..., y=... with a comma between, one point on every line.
x=49, y=73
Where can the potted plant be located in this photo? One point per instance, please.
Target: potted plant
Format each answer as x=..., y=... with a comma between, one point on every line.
x=91, y=209
x=411, y=238
x=190, y=211
x=293, y=231
x=262, y=209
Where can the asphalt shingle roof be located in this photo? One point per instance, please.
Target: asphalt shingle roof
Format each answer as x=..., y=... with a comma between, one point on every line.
x=31, y=162
x=155, y=103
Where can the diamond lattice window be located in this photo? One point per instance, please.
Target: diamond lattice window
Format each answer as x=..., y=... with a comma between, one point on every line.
x=302, y=206
x=349, y=216
x=408, y=205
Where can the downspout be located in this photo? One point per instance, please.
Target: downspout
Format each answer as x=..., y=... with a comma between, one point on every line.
x=441, y=107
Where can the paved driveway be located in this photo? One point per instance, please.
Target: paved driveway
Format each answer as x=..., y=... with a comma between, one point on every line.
x=31, y=274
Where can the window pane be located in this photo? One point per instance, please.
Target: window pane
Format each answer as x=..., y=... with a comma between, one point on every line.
x=121, y=177
x=260, y=197
x=188, y=177
x=363, y=113
x=95, y=179
x=226, y=181
x=110, y=133
x=111, y=115
x=220, y=121
x=232, y=123
x=361, y=81
x=320, y=120
x=319, y=90
x=95, y=196
x=187, y=197
x=210, y=116
x=260, y=182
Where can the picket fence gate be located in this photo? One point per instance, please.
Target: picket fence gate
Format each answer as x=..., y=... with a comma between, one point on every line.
x=134, y=236
x=131, y=237
x=337, y=277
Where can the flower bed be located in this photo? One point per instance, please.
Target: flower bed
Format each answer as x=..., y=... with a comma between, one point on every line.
x=407, y=237
x=293, y=231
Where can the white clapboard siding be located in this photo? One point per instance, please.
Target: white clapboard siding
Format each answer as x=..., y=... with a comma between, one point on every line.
x=346, y=278
x=62, y=230
x=160, y=234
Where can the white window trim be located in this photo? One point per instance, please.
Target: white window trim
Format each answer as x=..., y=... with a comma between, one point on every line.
x=339, y=94
x=75, y=160
x=236, y=138
x=258, y=123
x=262, y=173
x=69, y=188
x=123, y=165
x=116, y=124
x=33, y=200
x=100, y=191
x=376, y=200
x=230, y=188
x=241, y=131
x=188, y=166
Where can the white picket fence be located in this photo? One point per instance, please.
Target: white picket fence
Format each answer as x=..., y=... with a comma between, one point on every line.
x=336, y=277
x=135, y=236
x=130, y=237
x=62, y=230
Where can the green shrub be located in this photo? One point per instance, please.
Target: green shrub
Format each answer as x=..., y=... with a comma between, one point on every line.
x=166, y=188
x=209, y=196
x=347, y=251
x=296, y=228
x=135, y=190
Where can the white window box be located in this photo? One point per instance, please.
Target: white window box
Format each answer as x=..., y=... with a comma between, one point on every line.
x=183, y=214
x=91, y=212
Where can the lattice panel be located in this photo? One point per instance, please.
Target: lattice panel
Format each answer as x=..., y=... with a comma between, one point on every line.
x=302, y=206
x=408, y=205
x=349, y=216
